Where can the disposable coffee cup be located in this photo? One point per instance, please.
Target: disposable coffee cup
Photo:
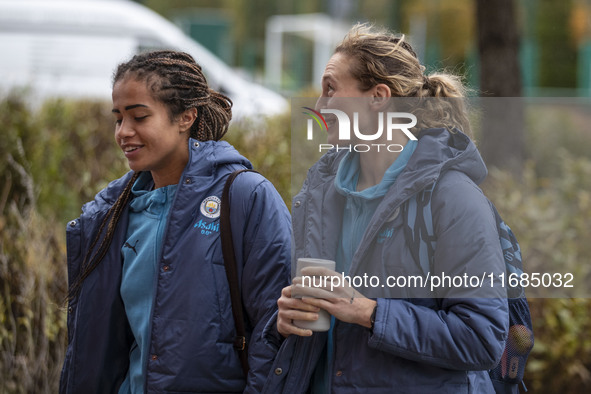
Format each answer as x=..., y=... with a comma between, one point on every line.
x=323, y=322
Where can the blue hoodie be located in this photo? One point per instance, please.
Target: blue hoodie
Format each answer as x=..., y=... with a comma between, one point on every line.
x=147, y=219
x=361, y=205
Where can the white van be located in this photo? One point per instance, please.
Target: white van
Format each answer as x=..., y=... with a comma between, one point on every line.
x=69, y=48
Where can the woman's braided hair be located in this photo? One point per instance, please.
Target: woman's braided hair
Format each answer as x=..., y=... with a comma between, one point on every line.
x=92, y=260
x=177, y=81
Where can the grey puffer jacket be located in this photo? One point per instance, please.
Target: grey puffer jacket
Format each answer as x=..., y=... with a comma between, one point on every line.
x=418, y=344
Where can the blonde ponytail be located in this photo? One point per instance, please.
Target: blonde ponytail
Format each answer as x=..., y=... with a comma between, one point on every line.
x=380, y=57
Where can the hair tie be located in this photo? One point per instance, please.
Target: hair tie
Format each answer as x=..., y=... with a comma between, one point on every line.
x=426, y=82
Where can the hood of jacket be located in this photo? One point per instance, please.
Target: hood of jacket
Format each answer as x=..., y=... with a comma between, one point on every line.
x=440, y=150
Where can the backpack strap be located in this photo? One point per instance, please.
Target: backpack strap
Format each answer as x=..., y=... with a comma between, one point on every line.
x=232, y=272
x=511, y=254
x=419, y=229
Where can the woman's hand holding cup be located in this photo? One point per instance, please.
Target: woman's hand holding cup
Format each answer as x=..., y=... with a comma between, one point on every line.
x=316, y=293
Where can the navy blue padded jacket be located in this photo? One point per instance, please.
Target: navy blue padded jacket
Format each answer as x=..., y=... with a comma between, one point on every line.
x=192, y=329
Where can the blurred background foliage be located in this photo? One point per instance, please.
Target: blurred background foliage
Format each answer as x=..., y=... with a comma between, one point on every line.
x=58, y=156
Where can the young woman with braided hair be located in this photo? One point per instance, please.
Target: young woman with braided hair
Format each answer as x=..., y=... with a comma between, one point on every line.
x=149, y=306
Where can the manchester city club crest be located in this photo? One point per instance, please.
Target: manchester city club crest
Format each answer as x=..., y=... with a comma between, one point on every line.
x=210, y=207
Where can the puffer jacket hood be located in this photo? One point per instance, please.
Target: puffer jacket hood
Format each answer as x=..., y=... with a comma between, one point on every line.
x=438, y=151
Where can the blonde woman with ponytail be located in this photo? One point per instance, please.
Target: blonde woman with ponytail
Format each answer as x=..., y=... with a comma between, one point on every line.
x=390, y=335
x=149, y=302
